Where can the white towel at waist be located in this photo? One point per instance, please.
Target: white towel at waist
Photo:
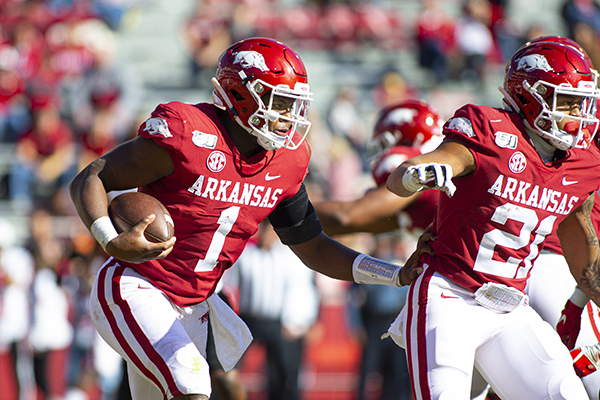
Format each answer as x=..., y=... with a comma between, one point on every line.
x=232, y=336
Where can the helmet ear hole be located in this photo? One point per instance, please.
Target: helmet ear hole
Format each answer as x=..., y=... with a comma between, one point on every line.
x=236, y=95
x=522, y=99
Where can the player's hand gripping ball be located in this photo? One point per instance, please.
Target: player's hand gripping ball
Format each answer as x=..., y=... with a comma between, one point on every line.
x=128, y=209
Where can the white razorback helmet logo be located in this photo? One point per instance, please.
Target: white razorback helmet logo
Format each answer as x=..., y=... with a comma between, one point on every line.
x=250, y=59
x=534, y=61
x=401, y=115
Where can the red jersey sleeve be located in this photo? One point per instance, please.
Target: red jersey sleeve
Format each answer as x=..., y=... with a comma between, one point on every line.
x=165, y=127
x=469, y=126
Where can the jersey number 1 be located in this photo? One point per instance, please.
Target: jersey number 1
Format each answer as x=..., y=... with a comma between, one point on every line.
x=226, y=221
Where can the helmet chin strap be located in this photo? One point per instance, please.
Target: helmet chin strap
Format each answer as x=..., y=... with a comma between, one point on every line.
x=510, y=102
x=266, y=143
x=544, y=148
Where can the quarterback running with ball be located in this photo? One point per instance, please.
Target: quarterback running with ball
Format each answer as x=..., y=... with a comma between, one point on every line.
x=220, y=169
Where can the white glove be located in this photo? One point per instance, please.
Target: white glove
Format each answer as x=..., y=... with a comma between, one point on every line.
x=419, y=176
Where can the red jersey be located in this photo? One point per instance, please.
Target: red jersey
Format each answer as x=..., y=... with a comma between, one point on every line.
x=552, y=243
x=216, y=197
x=492, y=229
x=418, y=214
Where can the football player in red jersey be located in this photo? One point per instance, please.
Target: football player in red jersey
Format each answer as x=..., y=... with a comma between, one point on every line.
x=579, y=322
x=220, y=169
x=510, y=177
x=401, y=131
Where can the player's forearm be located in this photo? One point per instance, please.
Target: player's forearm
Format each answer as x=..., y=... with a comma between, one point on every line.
x=348, y=221
x=590, y=282
x=333, y=217
x=580, y=247
x=432, y=170
x=335, y=260
x=394, y=182
x=327, y=256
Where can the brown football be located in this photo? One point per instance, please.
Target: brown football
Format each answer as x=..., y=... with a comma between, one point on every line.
x=128, y=209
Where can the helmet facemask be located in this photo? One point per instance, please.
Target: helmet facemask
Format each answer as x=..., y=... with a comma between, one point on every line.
x=376, y=146
x=264, y=95
x=580, y=130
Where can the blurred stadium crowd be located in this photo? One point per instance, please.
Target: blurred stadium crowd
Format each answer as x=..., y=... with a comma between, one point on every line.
x=67, y=98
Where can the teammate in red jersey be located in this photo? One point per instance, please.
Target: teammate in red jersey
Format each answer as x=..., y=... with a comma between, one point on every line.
x=219, y=169
x=511, y=177
x=401, y=131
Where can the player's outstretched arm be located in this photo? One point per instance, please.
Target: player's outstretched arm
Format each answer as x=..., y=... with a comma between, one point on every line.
x=375, y=212
x=331, y=258
x=132, y=164
x=580, y=247
x=433, y=170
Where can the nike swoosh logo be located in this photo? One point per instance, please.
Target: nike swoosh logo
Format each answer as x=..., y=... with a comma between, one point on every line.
x=562, y=319
x=271, y=177
x=565, y=182
x=143, y=287
x=444, y=296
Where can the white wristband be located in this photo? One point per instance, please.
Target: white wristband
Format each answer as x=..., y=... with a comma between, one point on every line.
x=366, y=269
x=409, y=182
x=579, y=298
x=103, y=230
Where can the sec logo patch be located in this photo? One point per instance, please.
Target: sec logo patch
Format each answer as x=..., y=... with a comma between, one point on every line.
x=216, y=161
x=517, y=162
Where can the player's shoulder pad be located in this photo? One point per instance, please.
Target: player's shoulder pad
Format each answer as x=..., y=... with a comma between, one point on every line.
x=165, y=122
x=470, y=119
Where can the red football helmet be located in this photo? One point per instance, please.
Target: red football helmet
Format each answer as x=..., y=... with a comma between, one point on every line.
x=568, y=42
x=410, y=123
x=536, y=75
x=250, y=74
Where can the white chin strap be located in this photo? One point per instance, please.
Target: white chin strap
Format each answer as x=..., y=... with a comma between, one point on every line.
x=266, y=143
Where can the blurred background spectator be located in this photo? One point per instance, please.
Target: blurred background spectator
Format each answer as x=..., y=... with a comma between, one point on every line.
x=474, y=39
x=581, y=11
x=51, y=332
x=205, y=35
x=16, y=276
x=435, y=38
